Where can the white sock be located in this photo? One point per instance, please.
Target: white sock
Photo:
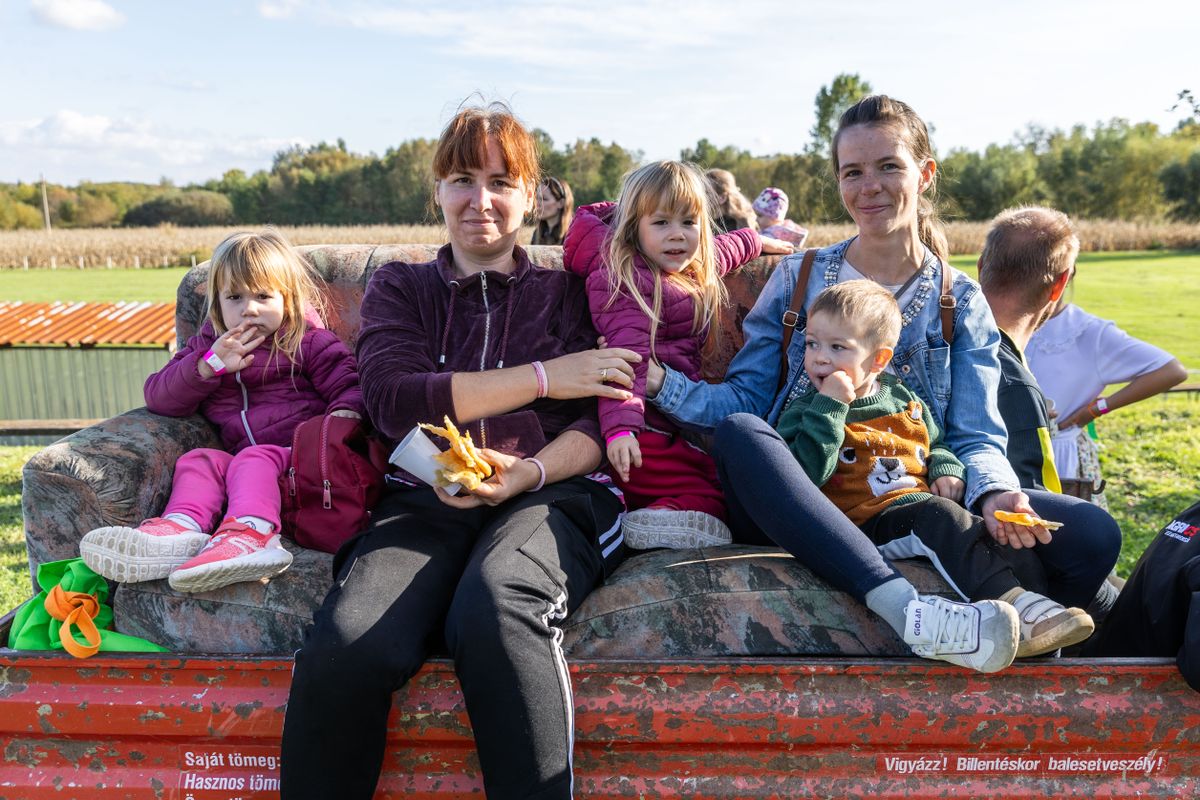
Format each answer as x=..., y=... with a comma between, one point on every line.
x=890, y=599
x=184, y=520
x=258, y=523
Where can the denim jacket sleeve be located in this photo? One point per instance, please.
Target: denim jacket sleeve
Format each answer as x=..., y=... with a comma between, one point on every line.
x=750, y=382
x=974, y=430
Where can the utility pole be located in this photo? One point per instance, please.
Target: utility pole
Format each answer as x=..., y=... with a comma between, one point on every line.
x=45, y=203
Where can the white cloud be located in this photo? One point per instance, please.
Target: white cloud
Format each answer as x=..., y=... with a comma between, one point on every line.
x=279, y=9
x=72, y=145
x=77, y=15
x=563, y=34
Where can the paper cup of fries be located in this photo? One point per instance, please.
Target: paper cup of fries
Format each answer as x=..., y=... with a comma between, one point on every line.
x=417, y=455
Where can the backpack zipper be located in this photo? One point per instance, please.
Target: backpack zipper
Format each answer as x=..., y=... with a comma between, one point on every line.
x=327, y=496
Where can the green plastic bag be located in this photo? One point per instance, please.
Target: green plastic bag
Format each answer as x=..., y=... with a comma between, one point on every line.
x=35, y=629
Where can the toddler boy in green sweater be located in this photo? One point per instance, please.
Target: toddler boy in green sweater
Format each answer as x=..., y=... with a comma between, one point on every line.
x=876, y=452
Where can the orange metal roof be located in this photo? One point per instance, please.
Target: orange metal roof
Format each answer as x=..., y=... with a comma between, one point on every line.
x=86, y=324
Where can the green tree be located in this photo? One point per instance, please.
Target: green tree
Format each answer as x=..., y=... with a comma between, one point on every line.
x=831, y=102
x=193, y=208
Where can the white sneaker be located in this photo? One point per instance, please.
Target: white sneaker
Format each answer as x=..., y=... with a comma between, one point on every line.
x=1047, y=626
x=981, y=636
x=145, y=553
x=666, y=527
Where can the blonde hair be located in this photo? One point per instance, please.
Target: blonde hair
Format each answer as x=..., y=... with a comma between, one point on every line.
x=879, y=110
x=731, y=201
x=266, y=260
x=1026, y=250
x=867, y=306
x=676, y=187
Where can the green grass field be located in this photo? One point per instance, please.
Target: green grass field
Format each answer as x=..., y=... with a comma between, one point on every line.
x=91, y=285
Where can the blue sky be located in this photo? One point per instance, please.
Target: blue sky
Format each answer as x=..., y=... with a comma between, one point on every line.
x=112, y=90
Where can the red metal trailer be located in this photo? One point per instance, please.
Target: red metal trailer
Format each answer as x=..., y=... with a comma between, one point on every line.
x=208, y=728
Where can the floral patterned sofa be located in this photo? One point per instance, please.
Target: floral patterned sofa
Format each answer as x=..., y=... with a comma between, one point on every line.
x=716, y=602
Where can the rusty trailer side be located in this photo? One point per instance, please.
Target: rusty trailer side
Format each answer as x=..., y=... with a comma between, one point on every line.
x=209, y=728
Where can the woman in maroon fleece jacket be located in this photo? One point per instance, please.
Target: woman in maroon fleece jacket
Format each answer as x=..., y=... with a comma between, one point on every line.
x=504, y=349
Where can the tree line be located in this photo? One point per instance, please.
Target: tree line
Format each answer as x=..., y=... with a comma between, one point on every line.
x=1112, y=170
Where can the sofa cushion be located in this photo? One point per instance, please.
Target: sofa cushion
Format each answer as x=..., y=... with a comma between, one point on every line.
x=705, y=603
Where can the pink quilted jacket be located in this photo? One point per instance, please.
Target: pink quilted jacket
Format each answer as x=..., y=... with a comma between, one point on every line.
x=624, y=324
x=274, y=400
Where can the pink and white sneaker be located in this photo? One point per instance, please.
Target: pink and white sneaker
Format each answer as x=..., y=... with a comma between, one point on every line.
x=146, y=553
x=236, y=553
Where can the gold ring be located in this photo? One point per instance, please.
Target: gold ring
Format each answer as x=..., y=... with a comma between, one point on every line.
x=604, y=374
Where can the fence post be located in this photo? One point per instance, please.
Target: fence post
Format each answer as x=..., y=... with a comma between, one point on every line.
x=108, y=261
x=193, y=260
x=53, y=262
x=25, y=262
x=81, y=262
x=164, y=261
x=137, y=262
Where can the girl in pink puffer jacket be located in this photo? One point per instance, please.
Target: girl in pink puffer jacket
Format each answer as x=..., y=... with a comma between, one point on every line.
x=653, y=270
x=260, y=366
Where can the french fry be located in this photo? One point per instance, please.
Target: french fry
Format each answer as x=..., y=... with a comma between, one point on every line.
x=1026, y=520
x=462, y=463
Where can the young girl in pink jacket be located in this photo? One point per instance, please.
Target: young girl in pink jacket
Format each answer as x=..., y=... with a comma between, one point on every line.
x=262, y=364
x=653, y=270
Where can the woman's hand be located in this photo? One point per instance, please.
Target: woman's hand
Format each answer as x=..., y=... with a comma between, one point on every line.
x=1015, y=536
x=235, y=348
x=772, y=246
x=949, y=487
x=510, y=477
x=623, y=452
x=591, y=373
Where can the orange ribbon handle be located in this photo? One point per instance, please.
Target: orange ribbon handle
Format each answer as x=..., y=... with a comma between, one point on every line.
x=78, y=609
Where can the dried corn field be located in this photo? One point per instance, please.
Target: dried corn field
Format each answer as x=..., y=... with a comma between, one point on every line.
x=175, y=246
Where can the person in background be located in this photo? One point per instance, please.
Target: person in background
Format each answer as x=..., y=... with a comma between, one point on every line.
x=731, y=209
x=771, y=206
x=1074, y=357
x=1027, y=261
x=554, y=210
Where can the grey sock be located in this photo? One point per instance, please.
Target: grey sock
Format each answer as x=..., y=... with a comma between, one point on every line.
x=1103, y=602
x=889, y=600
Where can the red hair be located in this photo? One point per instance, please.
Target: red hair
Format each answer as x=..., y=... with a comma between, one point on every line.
x=464, y=142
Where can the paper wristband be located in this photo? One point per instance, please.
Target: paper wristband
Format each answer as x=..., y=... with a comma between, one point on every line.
x=214, y=361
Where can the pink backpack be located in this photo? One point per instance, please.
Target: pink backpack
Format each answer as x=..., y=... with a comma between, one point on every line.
x=335, y=479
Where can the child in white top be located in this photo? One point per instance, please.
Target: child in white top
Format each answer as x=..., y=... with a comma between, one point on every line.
x=1074, y=356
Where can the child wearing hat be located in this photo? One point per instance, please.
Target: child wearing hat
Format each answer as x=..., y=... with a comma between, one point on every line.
x=771, y=206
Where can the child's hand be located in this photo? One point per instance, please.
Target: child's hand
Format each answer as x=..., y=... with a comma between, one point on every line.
x=235, y=348
x=345, y=412
x=623, y=452
x=776, y=246
x=837, y=386
x=949, y=487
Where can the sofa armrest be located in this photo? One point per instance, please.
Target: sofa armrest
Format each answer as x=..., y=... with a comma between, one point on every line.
x=117, y=472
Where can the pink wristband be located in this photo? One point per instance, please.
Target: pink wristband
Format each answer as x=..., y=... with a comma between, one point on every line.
x=541, y=473
x=618, y=435
x=213, y=360
x=543, y=383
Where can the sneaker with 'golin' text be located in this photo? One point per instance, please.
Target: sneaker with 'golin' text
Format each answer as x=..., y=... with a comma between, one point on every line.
x=236, y=553
x=981, y=636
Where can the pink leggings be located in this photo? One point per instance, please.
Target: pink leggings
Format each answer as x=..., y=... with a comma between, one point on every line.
x=250, y=480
